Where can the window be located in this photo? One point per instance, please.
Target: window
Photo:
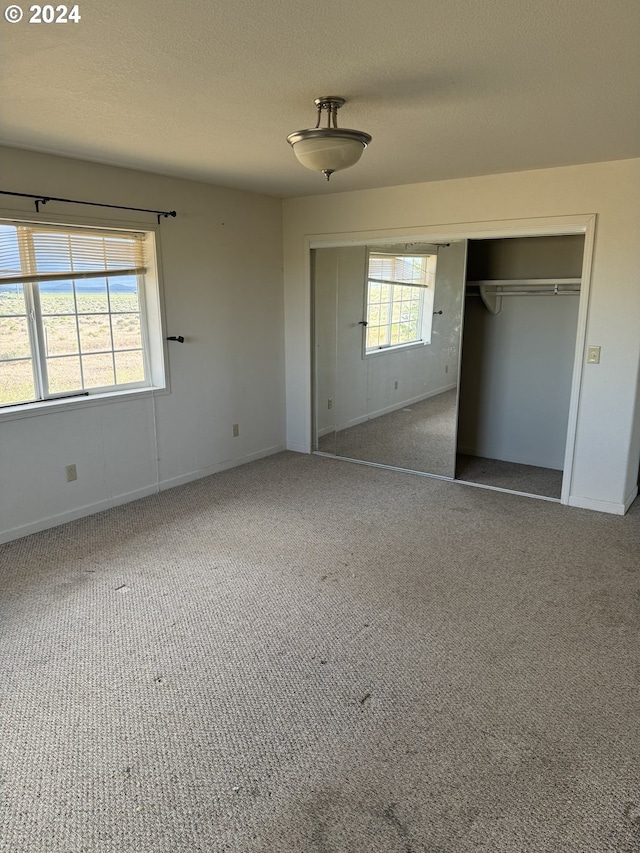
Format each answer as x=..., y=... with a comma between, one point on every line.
x=73, y=312
x=400, y=290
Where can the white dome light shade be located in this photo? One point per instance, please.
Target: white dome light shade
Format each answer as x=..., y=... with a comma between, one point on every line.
x=328, y=153
x=329, y=149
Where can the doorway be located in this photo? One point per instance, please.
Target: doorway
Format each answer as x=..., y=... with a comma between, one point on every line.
x=521, y=320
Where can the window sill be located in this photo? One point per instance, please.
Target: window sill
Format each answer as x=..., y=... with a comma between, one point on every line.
x=396, y=348
x=48, y=407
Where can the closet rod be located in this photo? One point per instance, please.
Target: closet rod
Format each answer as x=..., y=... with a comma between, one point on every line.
x=525, y=282
x=529, y=293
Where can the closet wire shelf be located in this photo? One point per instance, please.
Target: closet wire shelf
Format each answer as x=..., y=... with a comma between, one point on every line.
x=491, y=291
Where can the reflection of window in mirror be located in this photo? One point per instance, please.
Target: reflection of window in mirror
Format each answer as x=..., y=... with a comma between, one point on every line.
x=399, y=300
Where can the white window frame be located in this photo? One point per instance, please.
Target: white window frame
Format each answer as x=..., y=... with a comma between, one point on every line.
x=151, y=302
x=426, y=303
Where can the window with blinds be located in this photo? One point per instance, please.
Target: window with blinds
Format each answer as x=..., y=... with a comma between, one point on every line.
x=72, y=311
x=400, y=290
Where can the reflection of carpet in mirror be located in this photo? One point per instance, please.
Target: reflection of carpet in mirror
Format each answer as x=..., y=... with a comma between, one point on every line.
x=509, y=475
x=420, y=437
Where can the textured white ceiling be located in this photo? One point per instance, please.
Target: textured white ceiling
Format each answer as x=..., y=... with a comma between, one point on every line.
x=209, y=91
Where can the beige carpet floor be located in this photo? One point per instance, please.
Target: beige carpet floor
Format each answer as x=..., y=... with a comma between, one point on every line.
x=419, y=437
x=306, y=655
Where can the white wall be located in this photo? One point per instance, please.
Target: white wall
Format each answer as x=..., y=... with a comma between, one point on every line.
x=516, y=376
x=222, y=268
x=607, y=445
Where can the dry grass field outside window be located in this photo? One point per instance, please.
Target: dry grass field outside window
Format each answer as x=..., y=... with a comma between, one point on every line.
x=104, y=337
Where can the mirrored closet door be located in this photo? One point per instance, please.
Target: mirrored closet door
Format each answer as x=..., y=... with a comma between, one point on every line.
x=387, y=330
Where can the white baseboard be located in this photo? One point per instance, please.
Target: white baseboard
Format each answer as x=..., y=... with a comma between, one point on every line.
x=220, y=466
x=326, y=431
x=518, y=460
x=633, y=494
x=92, y=508
x=395, y=407
x=298, y=448
x=73, y=514
x=604, y=506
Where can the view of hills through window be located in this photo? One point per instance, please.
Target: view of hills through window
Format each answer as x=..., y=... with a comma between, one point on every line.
x=70, y=312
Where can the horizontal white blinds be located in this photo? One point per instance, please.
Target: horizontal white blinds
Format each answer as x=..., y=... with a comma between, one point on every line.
x=35, y=252
x=399, y=269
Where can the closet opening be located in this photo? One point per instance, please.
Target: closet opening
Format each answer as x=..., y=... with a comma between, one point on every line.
x=518, y=350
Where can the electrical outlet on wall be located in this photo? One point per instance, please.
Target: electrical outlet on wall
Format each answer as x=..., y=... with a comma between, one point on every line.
x=593, y=355
x=72, y=473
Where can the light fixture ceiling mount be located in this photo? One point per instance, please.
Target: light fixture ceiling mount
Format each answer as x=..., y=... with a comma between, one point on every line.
x=331, y=148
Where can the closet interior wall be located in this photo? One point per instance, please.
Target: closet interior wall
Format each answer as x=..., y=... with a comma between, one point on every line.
x=517, y=365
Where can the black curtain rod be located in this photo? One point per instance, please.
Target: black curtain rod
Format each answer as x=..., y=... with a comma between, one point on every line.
x=43, y=199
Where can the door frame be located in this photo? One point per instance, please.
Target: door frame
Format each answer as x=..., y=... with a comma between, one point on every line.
x=552, y=226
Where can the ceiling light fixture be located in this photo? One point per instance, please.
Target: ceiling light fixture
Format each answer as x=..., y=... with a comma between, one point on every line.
x=331, y=148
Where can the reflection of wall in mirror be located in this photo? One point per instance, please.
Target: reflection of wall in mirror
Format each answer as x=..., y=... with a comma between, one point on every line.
x=364, y=387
